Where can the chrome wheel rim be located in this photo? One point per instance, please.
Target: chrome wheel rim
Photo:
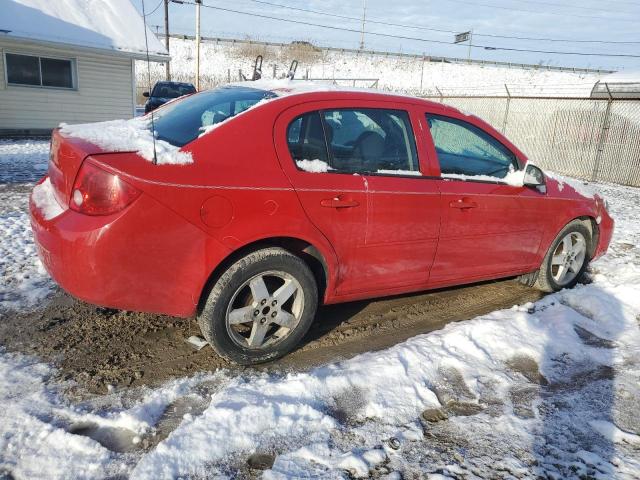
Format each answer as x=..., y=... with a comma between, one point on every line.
x=265, y=310
x=568, y=258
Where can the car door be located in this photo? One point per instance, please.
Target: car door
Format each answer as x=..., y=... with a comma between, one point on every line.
x=377, y=140
x=334, y=201
x=490, y=228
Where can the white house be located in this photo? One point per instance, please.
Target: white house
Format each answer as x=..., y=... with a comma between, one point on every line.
x=69, y=61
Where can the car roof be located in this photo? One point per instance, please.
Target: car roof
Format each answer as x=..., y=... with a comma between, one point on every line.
x=287, y=88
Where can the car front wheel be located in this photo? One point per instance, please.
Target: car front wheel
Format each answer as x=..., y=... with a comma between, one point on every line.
x=567, y=258
x=260, y=307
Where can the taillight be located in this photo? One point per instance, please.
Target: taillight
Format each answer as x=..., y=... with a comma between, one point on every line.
x=98, y=192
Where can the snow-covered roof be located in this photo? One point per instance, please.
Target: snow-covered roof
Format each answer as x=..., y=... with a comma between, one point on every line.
x=113, y=25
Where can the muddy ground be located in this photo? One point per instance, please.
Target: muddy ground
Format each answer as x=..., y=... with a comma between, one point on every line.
x=98, y=348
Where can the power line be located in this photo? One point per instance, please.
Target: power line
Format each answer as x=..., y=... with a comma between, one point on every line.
x=579, y=7
x=421, y=27
x=539, y=12
x=404, y=37
x=154, y=10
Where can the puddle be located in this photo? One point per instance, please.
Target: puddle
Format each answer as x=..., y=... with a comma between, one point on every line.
x=120, y=440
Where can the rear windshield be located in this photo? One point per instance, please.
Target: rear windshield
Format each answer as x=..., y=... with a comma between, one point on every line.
x=172, y=90
x=183, y=121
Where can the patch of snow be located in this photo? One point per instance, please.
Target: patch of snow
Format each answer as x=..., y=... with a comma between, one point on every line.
x=609, y=431
x=45, y=200
x=24, y=283
x=132, y=135
x=105, y=24
x=313, y=166
x=579, y=186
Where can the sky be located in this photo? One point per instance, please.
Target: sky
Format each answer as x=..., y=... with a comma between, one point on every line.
x=433, y=20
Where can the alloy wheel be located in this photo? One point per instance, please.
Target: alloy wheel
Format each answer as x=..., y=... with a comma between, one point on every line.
x=568, y=258
x=265, y=309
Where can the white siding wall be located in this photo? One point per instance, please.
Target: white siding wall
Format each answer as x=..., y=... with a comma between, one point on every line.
x=103, y=92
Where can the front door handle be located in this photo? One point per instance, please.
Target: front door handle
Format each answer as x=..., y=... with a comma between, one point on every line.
x=463, y=204
x=337, y=202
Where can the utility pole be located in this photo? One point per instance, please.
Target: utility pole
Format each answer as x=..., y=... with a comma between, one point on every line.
x=166, y=35
x=364, y=16
x=470, y=40
x=198, y=2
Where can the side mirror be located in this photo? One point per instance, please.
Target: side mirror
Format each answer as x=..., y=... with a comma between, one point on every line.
x=534, y=178
x=145, y=94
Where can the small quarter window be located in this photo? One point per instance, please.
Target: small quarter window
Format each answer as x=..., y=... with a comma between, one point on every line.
x=39, y=71
x=464, y=149
x=306, y=138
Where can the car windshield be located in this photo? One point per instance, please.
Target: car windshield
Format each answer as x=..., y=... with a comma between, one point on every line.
x=172, y=90
x=181, y=122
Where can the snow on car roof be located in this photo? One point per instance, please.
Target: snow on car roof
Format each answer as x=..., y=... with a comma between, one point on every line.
x=104, y=24
x=285, y=87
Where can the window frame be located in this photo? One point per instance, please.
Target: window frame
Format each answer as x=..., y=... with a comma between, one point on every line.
x=320, y=111
x=71, y=60
x=515, y=161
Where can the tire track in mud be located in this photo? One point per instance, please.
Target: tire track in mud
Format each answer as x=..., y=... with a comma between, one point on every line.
x=99, y=348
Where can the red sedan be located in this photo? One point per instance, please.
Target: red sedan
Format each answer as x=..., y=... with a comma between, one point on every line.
x=279, y=199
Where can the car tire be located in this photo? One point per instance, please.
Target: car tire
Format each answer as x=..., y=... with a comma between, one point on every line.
x=573, y=259
x=242, y=319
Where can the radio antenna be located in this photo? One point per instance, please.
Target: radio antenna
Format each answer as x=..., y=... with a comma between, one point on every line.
x=146, y=44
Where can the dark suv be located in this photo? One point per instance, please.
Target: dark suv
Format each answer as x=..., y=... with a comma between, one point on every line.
x=164, y=91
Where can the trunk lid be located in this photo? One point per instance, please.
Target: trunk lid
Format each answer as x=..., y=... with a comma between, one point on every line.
x=65, y=159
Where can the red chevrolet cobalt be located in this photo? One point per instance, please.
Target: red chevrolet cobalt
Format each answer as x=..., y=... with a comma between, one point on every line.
x=250, y=205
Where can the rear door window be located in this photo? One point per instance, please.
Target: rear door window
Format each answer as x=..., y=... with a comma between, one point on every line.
x=464, y=149
x=363, y=140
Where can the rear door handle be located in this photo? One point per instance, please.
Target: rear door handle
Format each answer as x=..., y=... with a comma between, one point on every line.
x=337, y=202
x=463, y=204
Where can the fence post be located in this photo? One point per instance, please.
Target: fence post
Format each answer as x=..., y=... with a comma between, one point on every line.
x=441, y=96
x=422, y=74
x=506, y=110
x=604, y=134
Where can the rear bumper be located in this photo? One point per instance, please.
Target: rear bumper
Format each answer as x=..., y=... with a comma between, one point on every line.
x=144, y=258
x=606, y=227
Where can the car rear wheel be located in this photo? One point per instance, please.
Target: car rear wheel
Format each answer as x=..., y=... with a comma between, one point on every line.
x=567, y=258
x=260, y=307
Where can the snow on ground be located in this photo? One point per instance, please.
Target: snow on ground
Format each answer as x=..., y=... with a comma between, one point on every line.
x=23, y=280
x=221, y=62
x=550, y=390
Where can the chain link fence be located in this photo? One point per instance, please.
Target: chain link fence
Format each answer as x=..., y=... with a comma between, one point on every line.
x=592, y=139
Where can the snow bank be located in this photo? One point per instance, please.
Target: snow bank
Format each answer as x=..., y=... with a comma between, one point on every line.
x=313, y=166
x=128, y=136
x=397, y=73
x=45, y=200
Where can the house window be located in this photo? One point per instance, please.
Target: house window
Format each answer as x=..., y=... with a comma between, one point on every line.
x=39, y=71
